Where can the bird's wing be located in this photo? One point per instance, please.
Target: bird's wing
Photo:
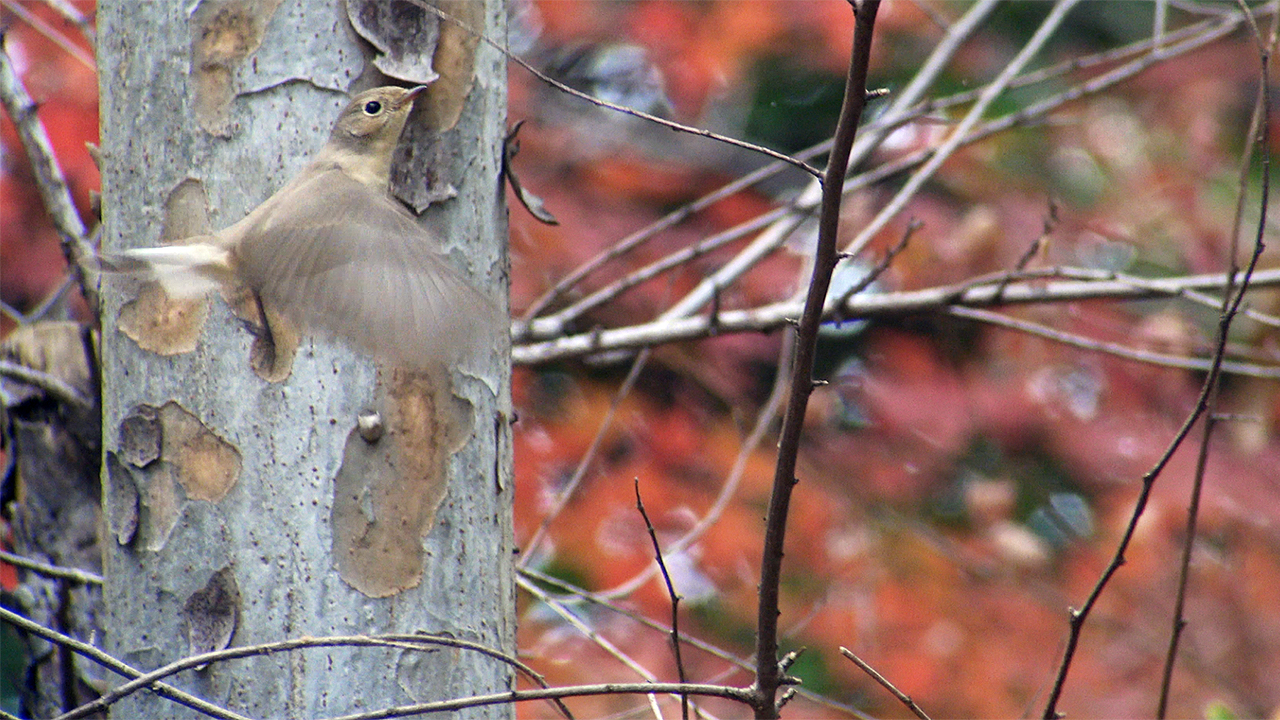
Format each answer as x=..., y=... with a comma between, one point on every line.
x=344, y=258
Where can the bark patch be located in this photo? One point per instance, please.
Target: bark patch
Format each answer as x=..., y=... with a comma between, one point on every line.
x=207, y=466
x=211, y=614
x=387, y=491
x=454, y=60
x=223, y=34
x=153, y=320
x=165, y=457
x=160, y=325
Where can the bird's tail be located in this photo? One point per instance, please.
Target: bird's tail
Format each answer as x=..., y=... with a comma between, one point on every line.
x=184, y=271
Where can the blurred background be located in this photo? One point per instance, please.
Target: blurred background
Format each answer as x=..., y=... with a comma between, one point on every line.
x=961, y=485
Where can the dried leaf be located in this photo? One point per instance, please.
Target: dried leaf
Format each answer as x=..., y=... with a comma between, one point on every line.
x=531, y=202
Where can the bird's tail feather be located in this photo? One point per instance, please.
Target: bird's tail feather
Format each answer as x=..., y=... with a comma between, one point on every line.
x=184, y=271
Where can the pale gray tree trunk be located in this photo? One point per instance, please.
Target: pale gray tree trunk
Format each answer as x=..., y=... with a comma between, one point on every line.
x=244, y=510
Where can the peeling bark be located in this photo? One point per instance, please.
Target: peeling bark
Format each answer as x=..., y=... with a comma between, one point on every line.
x=211, y=613
x=403, y=34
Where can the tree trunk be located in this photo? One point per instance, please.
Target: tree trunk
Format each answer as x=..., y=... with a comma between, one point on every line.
x=244, y=503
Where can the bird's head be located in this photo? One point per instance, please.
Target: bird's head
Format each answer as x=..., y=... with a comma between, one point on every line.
x=370, y=125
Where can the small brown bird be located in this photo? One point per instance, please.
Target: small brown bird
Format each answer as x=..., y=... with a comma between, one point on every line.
x=334, y=251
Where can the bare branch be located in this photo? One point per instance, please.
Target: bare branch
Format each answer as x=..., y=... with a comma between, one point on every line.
x=769, y=673
x=562, y=609
x=670, y=220
x=1115, y=349
x=555, y=325
x=1231, y=304
x=741, y=695
x=785, y=219
x=528, y=576
x=988, y=95
x=906, y=106
x=73, y=16
x=894, y=304
x=670, y=124
x=49, y=179
x=52, y=33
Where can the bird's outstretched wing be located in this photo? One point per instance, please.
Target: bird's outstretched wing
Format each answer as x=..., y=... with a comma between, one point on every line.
x=350, y=261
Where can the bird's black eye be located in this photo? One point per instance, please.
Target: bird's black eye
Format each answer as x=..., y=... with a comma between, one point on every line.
x=373, y=107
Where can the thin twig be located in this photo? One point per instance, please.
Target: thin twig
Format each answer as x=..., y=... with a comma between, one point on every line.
x=1143, y=356
x=528, y=577
x=670, y=124
x=764, y=421
x=1033, y=249
x=566, y=493
x=741, y=695
x=769, y=674
x=57, y=38
x=671, y=592
x=1259, y=134
x=670, y=220
x=957, y=137
x=1060, y=272
x=75, y=17
x=785, y=217
x=898, y=111
x=562, y=609
x=397, y=641
x=118, y=667
x=74, y=575
x=554, y=325
x=46, y=305
x=1188, y=543
x=897, y=115
x=902, y=697
x=50, y=181
x=1104, y=57
x=883, y=265
x=1078, y=617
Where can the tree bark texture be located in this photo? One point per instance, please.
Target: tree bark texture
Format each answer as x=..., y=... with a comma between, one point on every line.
x=322, y=493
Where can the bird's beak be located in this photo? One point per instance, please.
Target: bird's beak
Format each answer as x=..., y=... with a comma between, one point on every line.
x=409, y=95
